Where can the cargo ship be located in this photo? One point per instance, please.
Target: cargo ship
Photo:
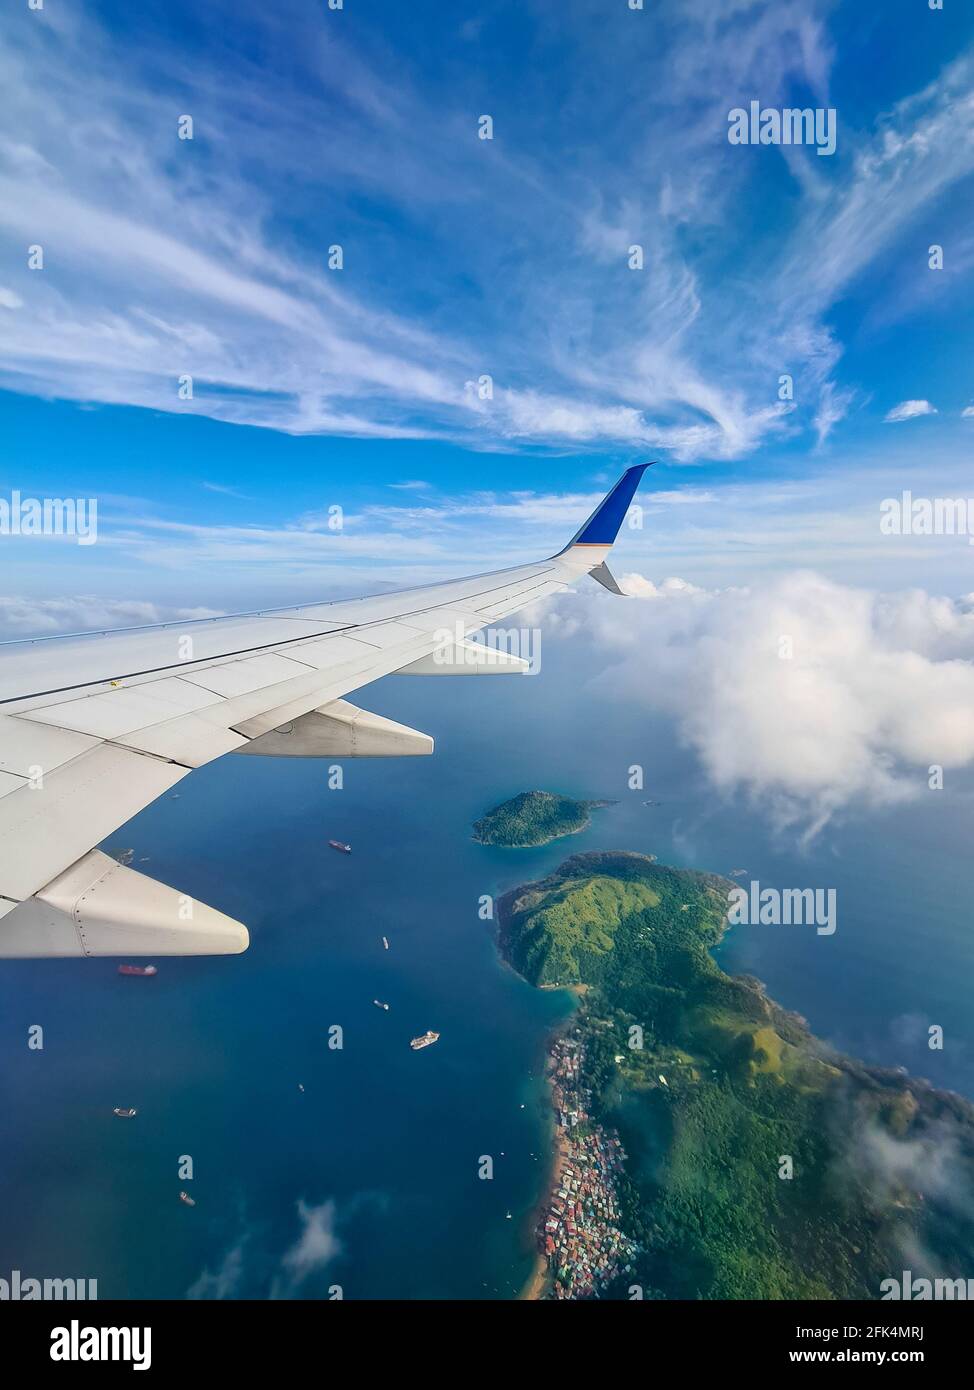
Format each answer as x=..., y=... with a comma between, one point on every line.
x=125, y=1112
x=137, y=970
x=342, y=848
x=385, y=943
x=426, y=1040
x=379, y=1004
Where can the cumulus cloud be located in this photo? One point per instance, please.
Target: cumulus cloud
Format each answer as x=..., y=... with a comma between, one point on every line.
x=804, y=694
x=909, y=410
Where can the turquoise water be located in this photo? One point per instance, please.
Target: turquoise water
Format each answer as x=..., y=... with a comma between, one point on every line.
x=212, y=1052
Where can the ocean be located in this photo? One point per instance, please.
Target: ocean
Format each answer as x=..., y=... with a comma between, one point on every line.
x=367, y=1180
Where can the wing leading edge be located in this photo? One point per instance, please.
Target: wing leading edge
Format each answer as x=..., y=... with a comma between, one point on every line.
x=95, y=727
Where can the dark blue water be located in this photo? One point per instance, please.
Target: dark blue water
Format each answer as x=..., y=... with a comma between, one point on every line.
x=212, y=1052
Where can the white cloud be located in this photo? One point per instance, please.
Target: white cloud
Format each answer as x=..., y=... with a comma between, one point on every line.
x=877, y=689
x=28, y=617
x=833, y=406
x=226, y=491
x=316, y=1246
x=638, y=586
x=165, y=259
x=909, y=410
x=968, y=412
x=225, y=1282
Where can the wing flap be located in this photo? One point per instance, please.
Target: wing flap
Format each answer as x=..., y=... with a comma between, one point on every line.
x=113, y=713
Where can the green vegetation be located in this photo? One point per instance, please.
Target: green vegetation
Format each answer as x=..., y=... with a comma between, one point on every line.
x=533, y=818
x=746, y=1086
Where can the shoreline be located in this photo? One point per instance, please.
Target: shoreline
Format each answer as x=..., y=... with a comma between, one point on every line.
x=535, y=844
x=538, y=1281
x=580, y=1245
x=590, y=806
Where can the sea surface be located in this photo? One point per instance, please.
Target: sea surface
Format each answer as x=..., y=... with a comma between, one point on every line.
x=367, y=1179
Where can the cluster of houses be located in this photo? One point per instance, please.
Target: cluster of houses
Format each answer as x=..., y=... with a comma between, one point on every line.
x=579, y=1232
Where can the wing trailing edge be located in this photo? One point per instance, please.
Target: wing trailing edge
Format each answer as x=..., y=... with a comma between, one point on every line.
x=99, y=907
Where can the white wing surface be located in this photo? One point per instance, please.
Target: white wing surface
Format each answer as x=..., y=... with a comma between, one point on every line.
x=95, y=727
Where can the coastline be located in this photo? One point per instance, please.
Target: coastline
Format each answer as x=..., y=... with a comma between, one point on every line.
x=593, y=1226
x=536, y=844
x=538, y=1281
x=569, y=1163
x=589, y=805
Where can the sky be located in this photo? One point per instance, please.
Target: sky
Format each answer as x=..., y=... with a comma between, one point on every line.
x=361, y=387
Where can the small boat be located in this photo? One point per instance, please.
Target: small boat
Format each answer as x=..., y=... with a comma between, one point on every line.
x=300, y=1087
x=426, y=1040
x=125, y=1112
x=340, y=846
x=379, y=1004
x=662, y=1080
x=185, y=1197
x=137, y=970
x=385, y=943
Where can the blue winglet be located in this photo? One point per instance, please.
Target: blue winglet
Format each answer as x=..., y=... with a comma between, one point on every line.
x=603, y=525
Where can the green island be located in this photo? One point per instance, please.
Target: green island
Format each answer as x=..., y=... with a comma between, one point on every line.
x=725, y=1087
x=534, y=818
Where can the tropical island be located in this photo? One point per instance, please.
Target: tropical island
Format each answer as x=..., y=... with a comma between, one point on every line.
x=534, y=818
x=708, y=1145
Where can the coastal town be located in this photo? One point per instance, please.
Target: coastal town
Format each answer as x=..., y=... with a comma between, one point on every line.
x=579, y=1235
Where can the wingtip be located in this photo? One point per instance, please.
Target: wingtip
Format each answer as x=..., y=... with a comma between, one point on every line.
x=603, y=525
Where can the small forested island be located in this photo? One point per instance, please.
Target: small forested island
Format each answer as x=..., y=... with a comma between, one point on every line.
x=534, y=818
x=732, y=1154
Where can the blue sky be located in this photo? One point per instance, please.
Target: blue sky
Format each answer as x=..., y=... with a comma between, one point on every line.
x=464, y=257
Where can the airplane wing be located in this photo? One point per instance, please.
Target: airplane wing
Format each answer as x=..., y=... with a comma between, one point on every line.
x=95, y=727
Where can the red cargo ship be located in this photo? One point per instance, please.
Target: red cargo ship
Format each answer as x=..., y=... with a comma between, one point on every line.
x=342, y=849
x=137, y=970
